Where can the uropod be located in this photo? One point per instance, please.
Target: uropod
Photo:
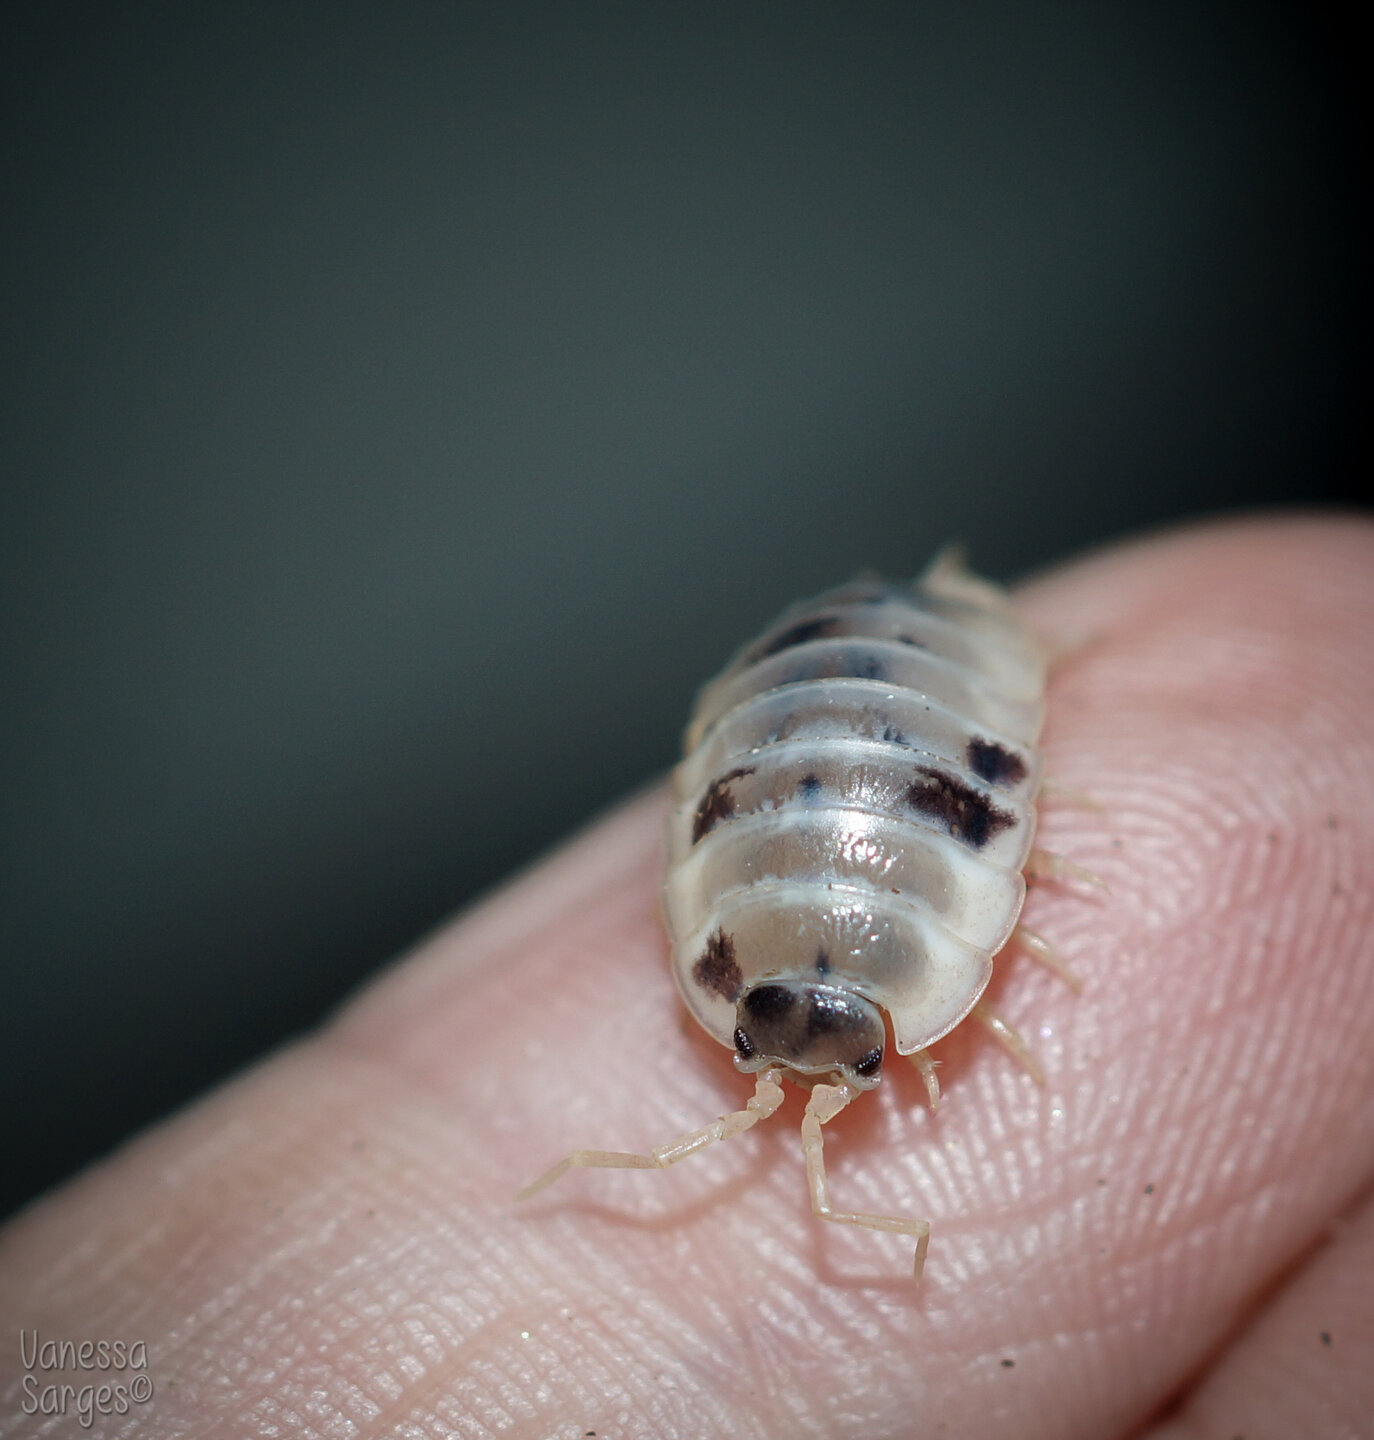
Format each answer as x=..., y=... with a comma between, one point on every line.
x=854, y=826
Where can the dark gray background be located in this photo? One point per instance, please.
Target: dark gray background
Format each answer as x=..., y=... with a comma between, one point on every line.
x=407, y=406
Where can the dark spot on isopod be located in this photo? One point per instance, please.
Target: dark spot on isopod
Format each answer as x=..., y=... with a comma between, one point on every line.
x=769, y=1002
x=1326, y=1337
x=828, y=1014
x=1149, y=1189
x=808, y=786
x=1008, y=1364
x=893, y=736
x=869, y=668
x=798, y=634
x=968, y=814
x=822, y=963
x=717, y=971
x=907, y=640
x=995, y=763
x=717, y=804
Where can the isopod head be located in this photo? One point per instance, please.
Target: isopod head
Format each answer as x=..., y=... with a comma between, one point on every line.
x=810, y=1028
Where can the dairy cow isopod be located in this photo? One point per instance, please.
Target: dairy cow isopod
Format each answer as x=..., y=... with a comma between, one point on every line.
x=855, y=819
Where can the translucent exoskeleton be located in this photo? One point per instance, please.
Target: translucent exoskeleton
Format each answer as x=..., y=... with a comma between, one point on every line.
x=855, y=817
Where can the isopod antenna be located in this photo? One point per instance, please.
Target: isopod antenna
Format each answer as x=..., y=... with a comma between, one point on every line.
x=826, y=1101
x=765, y=1100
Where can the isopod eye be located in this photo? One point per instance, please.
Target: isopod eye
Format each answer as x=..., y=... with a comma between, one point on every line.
x=743, y=1045
x=870, y=1065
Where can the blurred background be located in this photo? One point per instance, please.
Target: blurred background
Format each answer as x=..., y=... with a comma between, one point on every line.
x=407, y=406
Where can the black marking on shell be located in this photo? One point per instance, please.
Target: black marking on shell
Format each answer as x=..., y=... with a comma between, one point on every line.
x=995, y=763
x=717, y=804
x=769, y=1002
x=968, y=814
x=717, y=971
x=822, y=963
x=808, y=786
x=798, y=634
x=893, y=736
x=829, y=1014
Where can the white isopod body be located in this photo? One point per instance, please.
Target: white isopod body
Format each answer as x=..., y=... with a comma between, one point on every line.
x=855, y=813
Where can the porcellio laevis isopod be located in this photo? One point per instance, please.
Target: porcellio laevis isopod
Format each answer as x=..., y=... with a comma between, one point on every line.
x=849, y=850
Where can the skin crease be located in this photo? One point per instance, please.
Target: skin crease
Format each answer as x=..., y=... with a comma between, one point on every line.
x=1153, y=1245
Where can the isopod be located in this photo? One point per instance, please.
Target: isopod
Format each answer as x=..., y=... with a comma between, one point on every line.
x=855, y=819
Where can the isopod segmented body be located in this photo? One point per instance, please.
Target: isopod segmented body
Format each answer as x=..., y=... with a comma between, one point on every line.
x=855, y=813
x=855, y=809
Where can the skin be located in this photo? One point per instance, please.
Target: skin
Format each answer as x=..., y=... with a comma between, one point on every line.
x=1172, y=1239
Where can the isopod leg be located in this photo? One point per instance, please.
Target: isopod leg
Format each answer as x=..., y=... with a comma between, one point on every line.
x=1038, y=948
x=1009, y=1038
x=1047, y=865
x=927, y=1064
x=765, y=1100
x=825, y=1103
